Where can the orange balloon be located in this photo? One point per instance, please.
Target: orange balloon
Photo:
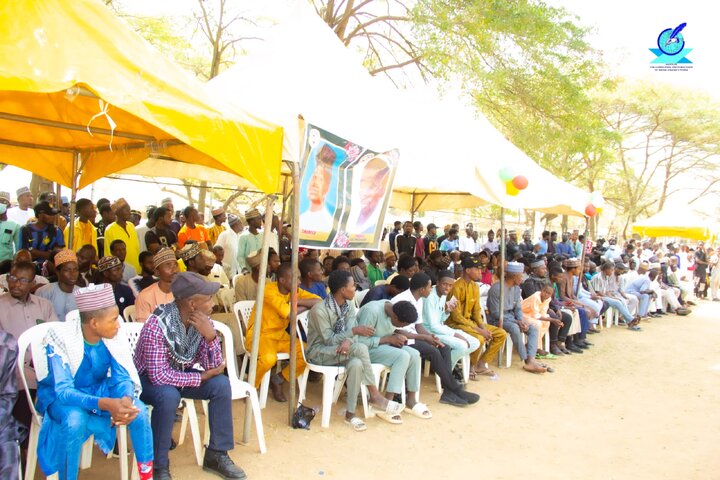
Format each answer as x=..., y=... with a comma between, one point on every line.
x=510, y=189
x=590, y=210
x=520, y=182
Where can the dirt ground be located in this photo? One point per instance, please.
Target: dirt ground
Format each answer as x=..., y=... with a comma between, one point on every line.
x=641, y=405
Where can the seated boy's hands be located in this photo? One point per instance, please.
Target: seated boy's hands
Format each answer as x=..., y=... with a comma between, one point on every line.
x=122, y=411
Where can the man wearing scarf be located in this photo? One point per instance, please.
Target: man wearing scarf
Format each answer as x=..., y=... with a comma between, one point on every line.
x=87, y=385
x=332, y=340
x=174, y=338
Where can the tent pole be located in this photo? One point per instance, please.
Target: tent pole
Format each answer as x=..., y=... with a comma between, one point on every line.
x=284, y=202
x=412, y=207
x=73, y=194
x=502, y=266
x=295, y=260
x=257, y=325
x=582, y=260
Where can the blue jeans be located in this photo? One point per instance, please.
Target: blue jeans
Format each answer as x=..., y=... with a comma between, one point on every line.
x=644, y=303
x=165, y=400
x=620, y=306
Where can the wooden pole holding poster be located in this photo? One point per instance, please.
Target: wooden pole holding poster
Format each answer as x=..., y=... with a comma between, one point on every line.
x=502, y=266
x=296, y=171
x=257, y=324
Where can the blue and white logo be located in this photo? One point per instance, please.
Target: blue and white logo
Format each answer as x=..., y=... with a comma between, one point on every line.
x=671, y=47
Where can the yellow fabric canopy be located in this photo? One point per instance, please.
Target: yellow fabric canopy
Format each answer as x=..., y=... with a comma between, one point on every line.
x=71, y=68
x=682, y=224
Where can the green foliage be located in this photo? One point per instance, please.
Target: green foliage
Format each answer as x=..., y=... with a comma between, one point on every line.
x=529, y=68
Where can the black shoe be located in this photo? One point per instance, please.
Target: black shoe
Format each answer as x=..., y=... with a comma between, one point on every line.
x=161, y=474
x=573, y=348
x=661, y=312
x=470, y=397
x=220, y=464
x=450, y=398
x=587, y=344
x=581, y=345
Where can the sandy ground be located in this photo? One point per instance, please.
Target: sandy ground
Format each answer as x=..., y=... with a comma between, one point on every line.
x=641, y=405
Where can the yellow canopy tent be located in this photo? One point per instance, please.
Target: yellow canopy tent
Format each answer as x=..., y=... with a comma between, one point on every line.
x=83, y=96
x=668, y=223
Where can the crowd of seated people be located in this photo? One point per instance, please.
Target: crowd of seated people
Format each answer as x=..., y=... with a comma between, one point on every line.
x=429, y=298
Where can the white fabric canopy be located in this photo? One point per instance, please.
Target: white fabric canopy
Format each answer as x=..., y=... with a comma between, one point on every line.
x=449, y=156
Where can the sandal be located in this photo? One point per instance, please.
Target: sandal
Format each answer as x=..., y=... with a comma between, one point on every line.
x=395, y=419
x=420, y=410
x=357, y=424
x=473, y=376
x=485, y=373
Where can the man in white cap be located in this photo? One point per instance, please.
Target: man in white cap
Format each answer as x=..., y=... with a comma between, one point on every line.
x=88, y=385
x=513, y=321
x=9, y=230
x=175, y=337
x=251, y=240
x=219, y=218
x=23, y=211
x=228, y=240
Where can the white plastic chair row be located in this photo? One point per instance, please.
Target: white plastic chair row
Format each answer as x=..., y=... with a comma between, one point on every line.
x=359, y=296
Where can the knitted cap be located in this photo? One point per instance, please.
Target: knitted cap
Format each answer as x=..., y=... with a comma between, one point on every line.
x=252, y=213
x=163, y=255
x=106, y=263
x=190, y=250
x=64, y=256
x=94, y=297
x=254, y=259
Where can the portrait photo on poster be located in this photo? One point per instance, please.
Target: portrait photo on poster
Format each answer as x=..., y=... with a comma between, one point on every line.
x=371, y=178
x=319, y=190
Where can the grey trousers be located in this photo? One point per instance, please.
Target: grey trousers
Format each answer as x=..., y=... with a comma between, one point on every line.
x=404, y=364
x=513, y=330
x=358, y=370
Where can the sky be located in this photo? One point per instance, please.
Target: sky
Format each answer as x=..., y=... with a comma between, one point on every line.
x=623, y=29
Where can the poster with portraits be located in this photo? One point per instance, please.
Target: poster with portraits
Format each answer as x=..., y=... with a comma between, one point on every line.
x=344, y=192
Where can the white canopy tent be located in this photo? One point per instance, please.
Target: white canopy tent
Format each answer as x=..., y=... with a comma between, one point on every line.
x=449, y=155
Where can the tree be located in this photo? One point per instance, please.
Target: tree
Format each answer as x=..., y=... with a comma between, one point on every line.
x=382, y=29
x=662, y=136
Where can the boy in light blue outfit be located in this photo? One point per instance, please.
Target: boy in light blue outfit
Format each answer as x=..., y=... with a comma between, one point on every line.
x=436, y=309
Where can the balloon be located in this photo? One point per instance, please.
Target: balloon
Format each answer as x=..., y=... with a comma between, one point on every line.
x=510, y=189
x=590, y=210
x=506, y=174
x=597, y=199
x=598, y=210
x=520, y=182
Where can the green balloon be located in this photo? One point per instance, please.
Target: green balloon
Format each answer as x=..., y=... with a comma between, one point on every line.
x=506, y=174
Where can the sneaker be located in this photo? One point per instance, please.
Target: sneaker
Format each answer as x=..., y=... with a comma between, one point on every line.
x=450, y=398
x=221, y=464
x=470, y=397
x=161, y=474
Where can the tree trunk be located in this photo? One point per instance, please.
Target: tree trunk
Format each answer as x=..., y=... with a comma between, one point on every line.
x=40, y=184
x=564, y=223
x=202, y=197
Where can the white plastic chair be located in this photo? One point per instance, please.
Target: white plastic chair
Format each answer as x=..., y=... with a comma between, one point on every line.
x=333, y=378
x=243, y=310
x=506, y=351
x=239, y=389
x=234, y=279
x=33, y=338
x=132, y=332
x=129, y=313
